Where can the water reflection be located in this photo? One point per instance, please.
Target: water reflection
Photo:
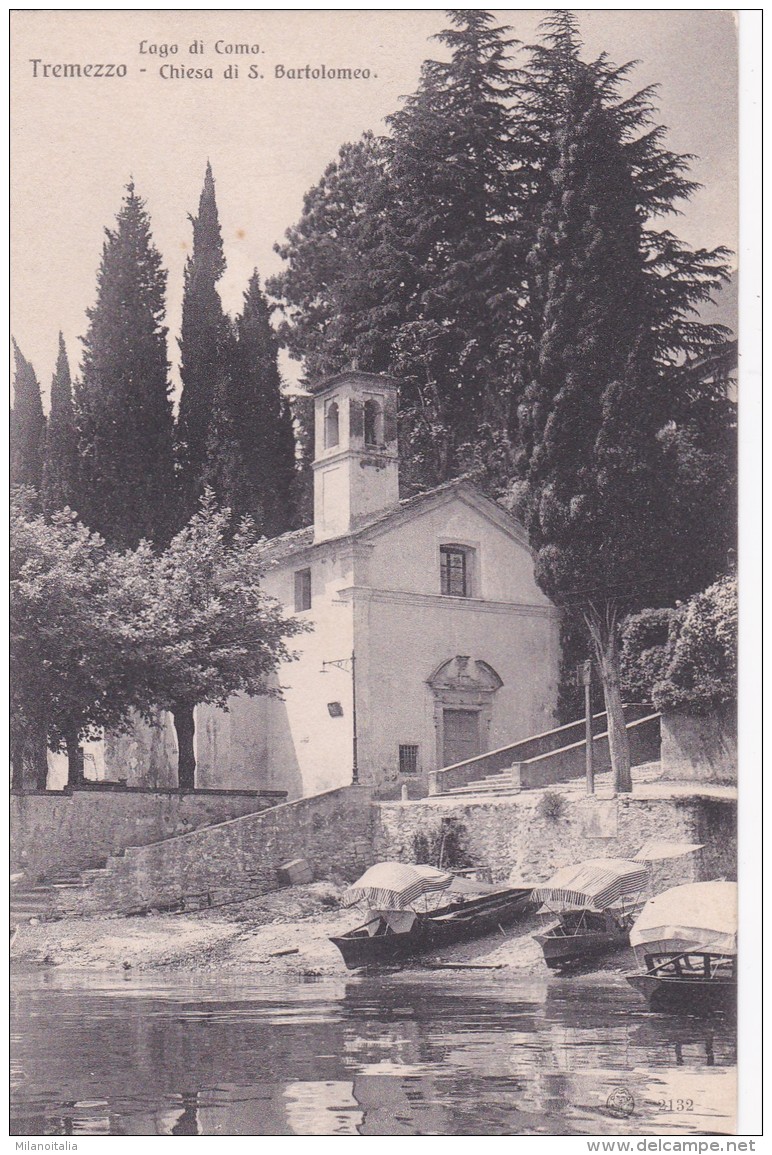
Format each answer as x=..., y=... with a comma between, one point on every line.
x=393, y=1056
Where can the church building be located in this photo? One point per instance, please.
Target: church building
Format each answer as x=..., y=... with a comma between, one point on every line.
x=430, y=640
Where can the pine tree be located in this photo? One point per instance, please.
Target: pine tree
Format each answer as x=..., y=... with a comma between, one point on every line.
x=609, y=334
x=123, y=407
x=204, y=345
x=28, y=425
x=330, y=288
x=453, y=236
x=409, y=256
x=251, y=448
x=60, y=466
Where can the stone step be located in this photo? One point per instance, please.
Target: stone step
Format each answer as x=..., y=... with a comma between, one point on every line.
x=30, y=906
x=477, y=788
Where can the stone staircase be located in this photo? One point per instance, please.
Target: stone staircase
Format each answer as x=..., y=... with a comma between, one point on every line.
x=223, y=862
x=501, y=783
x=542, y=760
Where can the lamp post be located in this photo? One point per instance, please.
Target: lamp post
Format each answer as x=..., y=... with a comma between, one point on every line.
x=584, y=670
x=349, y=664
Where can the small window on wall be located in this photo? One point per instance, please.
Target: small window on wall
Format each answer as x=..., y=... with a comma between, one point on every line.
x=408, y=759
x=302, y=590
x=331, y=433
x=454, y=571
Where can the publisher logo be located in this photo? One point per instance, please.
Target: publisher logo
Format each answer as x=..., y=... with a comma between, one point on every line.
x=620, y=1103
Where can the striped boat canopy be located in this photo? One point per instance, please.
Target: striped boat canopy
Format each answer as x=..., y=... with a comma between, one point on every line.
x=396, y=885
x=593, y=885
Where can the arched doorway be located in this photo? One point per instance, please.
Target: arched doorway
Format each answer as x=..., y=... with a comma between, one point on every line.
x=463, y=693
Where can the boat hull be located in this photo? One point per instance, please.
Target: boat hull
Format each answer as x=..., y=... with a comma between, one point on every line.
x=563, y=950
x=437, y=929
x=686, y=995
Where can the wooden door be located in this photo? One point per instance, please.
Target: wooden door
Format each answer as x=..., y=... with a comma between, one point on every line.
x=460, y=735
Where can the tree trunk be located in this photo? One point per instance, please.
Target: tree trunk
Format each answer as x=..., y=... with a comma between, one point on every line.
x=29, y=762
x=604, y=639
x=185, y=726
x=75, y=775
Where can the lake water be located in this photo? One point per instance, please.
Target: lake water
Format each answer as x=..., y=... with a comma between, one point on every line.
x=404, y=1054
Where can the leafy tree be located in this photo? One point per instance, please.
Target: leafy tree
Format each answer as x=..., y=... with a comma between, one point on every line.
x=28, y=425
x=205, y=346
x=98, y=633
x=251, y=450
x=612, y=303
x=123, y=405
x=214, y=632
x=60, y=466
x=76, y=617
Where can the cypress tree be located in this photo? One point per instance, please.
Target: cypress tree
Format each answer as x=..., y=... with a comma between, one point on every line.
x=60, y=466
x=28, y=425
x=596, y=494
x=204, y=345
x=123, y=406
x=251, y=451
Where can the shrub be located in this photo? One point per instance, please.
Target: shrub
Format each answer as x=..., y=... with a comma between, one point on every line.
x=684, y=658
x=644, y=651
x=701, y=672
x=551, y=805
x=448, y=841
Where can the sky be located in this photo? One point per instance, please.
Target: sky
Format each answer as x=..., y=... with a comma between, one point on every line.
x=75, y=142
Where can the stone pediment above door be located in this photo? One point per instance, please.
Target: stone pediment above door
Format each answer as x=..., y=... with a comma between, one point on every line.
x=463, y=674
x=463, y=689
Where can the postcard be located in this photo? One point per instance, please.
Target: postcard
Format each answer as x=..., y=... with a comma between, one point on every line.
x=374, y=489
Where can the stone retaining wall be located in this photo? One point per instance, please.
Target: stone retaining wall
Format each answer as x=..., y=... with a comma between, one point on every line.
x=698, y=749
x=333, y=831
x=513, y=839
x=55, y=833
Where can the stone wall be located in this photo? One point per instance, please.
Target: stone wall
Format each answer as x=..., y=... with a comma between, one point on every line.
x=53, y=833
x=696, y=749
x=563, y=765
x=333, y=831
x=513, y=839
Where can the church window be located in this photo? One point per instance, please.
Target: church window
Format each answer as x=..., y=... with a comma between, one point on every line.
x=331, y=433
x=373, y=432
x=302, y=590
x=408, y=759
x=454, y=571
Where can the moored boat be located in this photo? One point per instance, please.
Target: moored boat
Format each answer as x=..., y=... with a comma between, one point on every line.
x=688, y=939
x=392, y=936
x=579, y=935
x=688, y=981
x=395, y=928
x=595, y=903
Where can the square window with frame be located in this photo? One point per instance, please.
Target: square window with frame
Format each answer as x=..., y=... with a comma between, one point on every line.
x=408, y=759
x=302, y=590
x=455, y=571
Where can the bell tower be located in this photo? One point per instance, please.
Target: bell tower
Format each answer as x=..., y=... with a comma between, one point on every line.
x=355, y=465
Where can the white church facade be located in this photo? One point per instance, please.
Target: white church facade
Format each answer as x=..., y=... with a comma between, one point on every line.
x=455, y=649
x=430, y=641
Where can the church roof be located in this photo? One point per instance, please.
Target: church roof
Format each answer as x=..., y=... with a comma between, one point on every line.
x=297, y=540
